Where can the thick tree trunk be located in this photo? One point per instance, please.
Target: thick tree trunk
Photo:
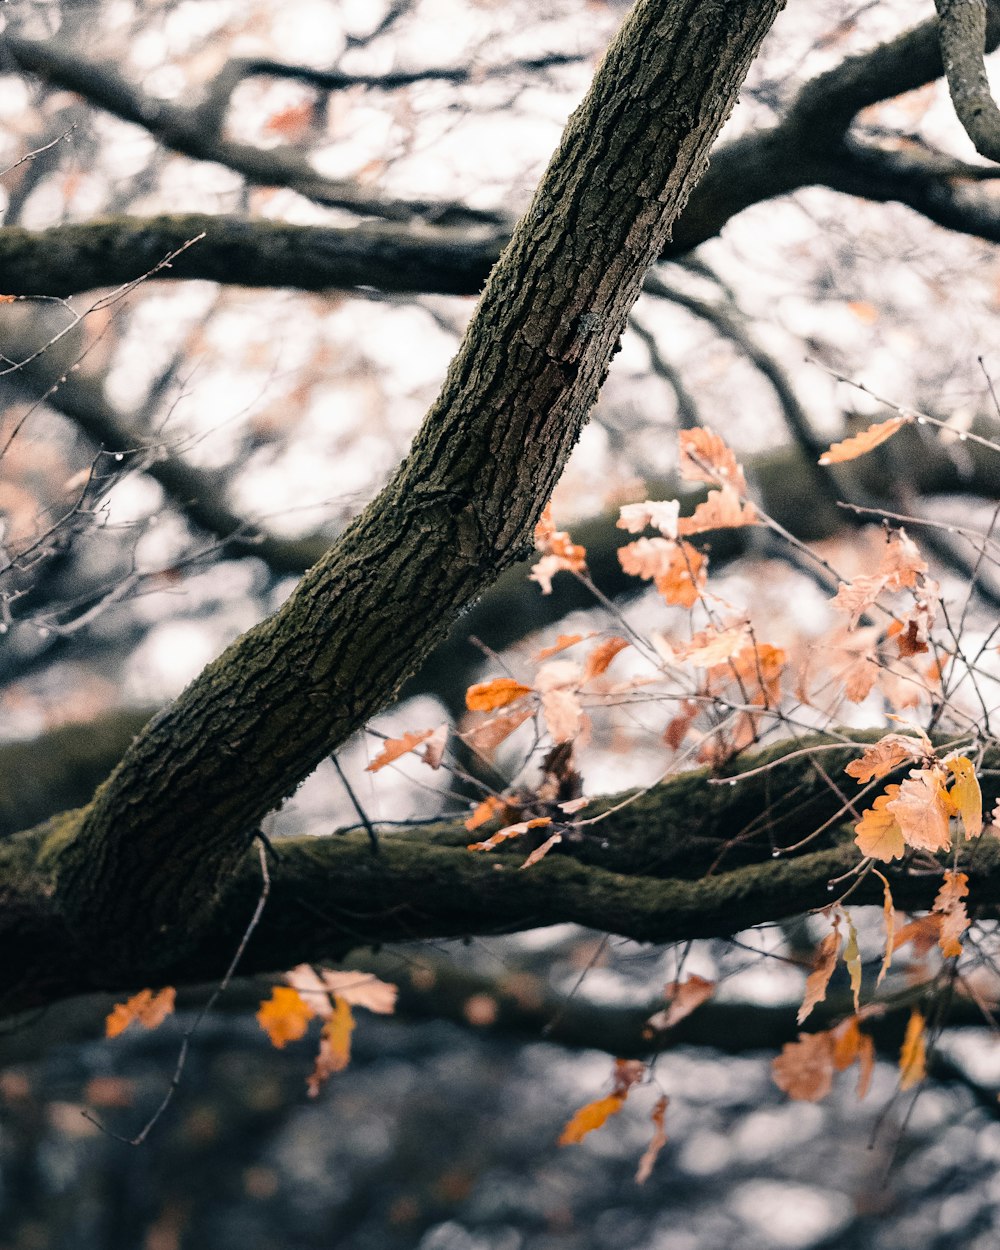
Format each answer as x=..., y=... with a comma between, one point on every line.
x=146, y=866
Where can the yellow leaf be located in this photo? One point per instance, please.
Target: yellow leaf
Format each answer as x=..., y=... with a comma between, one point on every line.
x=487, y=696
x=334, y=1046
x=889, y=915
x=145, y=1008
x=285, y=1016
x=657, y=1143
x=913, y=1056
x=823, y=966
x=852, y=957
x=592, y=1116
x=862, y=443
x=966, y=794
x=877, y=833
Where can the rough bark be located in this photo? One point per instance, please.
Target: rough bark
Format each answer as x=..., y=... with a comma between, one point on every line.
x=170, y=828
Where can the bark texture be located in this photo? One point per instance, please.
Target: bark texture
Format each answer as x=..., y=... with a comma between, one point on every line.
x=165, y=835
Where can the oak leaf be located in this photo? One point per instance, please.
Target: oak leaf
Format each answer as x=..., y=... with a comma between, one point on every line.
x=921, y=808
x=705, y=457
x=882, y=757
x=950, y=906
x=358, y=989
x=601, y=656
x=560, y=644
x=861, y=444
x=878, y=833
x=590, y=1117
x=541, y=851
x=721, y=510
x=146, y=1008
x=824, y=963
x=285, y=1016
x=485, y=738
x=485, y=811
x=889, y=916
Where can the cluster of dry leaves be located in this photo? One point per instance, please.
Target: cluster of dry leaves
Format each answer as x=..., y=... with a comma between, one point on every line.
x=731, y=685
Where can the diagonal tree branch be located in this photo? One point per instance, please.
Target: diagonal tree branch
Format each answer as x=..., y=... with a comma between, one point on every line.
x=172, y=825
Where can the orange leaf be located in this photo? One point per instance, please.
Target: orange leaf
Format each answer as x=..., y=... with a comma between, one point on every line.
x=485, y=738
x=877, y=833
x=683, y=997
x=7, y=299
x=589, y=1117
x=560, y=644
x=913, y=1056
x=850, y=1045
x=659, y=1140
x=883, y=756
x=823, y=965
x=804, y=1069
x=721, y=510
x=145, y=1008
x=487, y=696
x=601, y=656
x=541, y=851
x=485, y=811
x=393, y=748
x=334, y=1046
x=705, y=457
x=285, y=1016
x=924, y=933
x=950, y=905
x=921, y=808
x=511, y=831
x=862, y=443
x=291, y=122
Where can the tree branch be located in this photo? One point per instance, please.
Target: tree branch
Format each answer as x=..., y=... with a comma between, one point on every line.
x=962, y=26
x=642, y=878
x=171, y=828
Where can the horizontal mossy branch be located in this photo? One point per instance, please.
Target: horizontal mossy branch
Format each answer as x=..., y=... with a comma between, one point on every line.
x=664, y=869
